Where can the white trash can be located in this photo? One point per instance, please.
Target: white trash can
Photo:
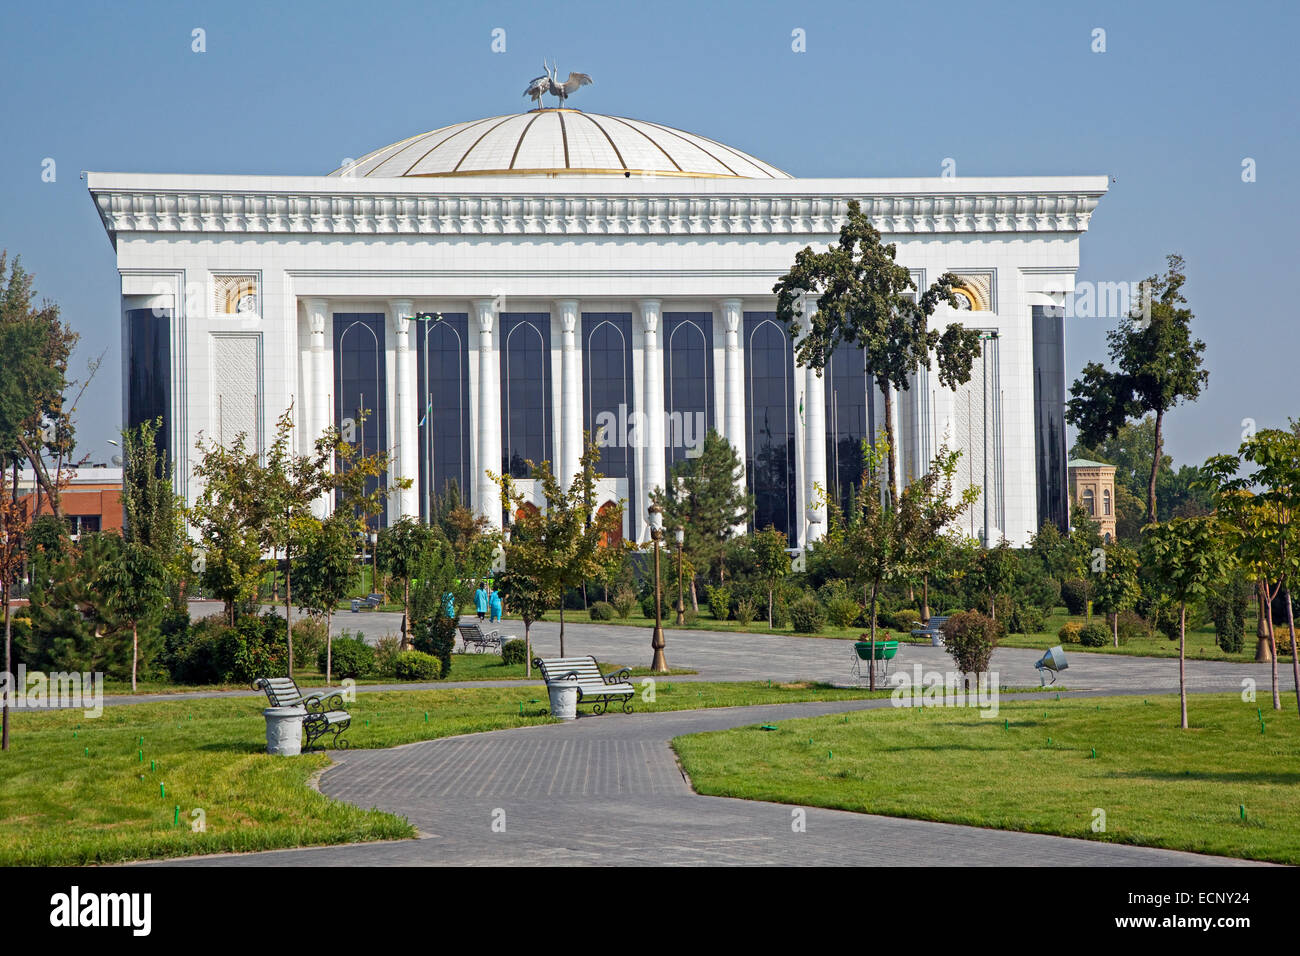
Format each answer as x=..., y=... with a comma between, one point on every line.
x=564, y=698
x=284, y=730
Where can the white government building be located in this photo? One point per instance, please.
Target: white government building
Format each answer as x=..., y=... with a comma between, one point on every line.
x=491, y=290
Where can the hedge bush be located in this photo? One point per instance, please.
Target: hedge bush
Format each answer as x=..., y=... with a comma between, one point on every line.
x=1074, y=595
x=843, y=610
x=514, y=651
x=970, y=638
x=602, y=611
x=624, y=601
x=904, y=619
x=719, y=601
x=1131, y=625
x=416, y=665
x=1069, y=634
x=1025, y=619
x=1095, y=635
x=353, y=658
x=436, y=635
x=807, y=616
x=745, y=612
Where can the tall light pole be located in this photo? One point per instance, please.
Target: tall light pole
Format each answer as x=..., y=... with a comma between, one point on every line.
x=658, y=662
x=680, y=535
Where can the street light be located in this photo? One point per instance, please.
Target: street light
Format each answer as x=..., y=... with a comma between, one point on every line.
x=374, y=539
x=658, y=663
x=680, y=535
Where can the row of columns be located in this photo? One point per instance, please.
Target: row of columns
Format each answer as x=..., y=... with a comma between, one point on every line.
x=485, y=417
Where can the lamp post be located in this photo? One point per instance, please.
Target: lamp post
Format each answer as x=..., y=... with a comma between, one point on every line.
x=680, y=535
x=658, y=662
x=374, y=540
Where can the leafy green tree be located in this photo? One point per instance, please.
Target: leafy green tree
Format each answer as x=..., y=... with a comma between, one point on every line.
x=398, y=553
x=136, y=580
x=865, y=297
x=154, y=514
x=1186, y=556
x=226, y=516
x=771, y=560
x=1267, y=522
x=327, y=571
x=706, y=498
x=75, y=623
x=569, y=541
x=524, y=597
x=1086, y=553
x=1156, y=365
x=1118, y=586
x=940, y=509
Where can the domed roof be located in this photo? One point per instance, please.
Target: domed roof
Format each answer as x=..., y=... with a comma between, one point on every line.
x=556, y=142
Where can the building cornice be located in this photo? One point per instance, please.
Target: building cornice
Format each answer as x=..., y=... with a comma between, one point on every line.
x=189, y=205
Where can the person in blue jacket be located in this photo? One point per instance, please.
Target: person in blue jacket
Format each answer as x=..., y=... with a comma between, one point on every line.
x=449, y=604
x=496, y=605
x=481, y=598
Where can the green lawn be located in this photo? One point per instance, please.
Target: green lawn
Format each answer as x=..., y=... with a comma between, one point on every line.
x=1158, y=785
x=1200, y=641
x=62, y=805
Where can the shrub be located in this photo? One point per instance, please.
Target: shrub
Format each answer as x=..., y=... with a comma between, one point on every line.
x=690, y=615
x=648, y=606
x=1095, y=635
x=1228, y=614
x=1042, y=591
x=842, y=610
x=719, y=601
x=416, y=665
x=904, y=619
x=514, y=652
x=745, y=612
x=189, y=653
x=436, y=635
x=1025, y=619
x=353, y=657
x=308, y=638
x=624, y=600
x=1131, y=625
x=602, y=611
x=1069, y=634
x=255, y=647
x=386, y=650
x=970, y=638
x=1074, y=594
x=807, y=616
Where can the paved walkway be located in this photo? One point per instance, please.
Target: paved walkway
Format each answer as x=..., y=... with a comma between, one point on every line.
x=608, y=791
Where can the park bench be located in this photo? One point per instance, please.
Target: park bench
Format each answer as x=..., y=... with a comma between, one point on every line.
x=369, y=602
x=600, y=689
x=932, y=629
x=474, y=636
x=325, y=713
x=884, y=654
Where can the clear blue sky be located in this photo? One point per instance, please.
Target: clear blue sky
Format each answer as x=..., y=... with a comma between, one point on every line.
x=1182, y=94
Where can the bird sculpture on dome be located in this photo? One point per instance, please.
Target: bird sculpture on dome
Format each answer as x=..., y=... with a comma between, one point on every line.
x=550, y=83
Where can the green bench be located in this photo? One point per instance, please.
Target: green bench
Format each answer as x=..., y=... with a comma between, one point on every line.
x=884, y=654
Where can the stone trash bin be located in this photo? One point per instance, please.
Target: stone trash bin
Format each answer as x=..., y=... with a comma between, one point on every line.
x=564, y=699
x=284, y=730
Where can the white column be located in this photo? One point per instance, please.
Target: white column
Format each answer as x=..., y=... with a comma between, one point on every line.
x=570, y=392
x=488, y=498
x=653, y=375
x=814, y=452
x=318, y=411
x=732, y=316
x=406, y=463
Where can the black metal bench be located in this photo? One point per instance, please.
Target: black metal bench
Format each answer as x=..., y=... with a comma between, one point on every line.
x=602, y=689
x=369, y=602
x=474, y=636
x=325, y=713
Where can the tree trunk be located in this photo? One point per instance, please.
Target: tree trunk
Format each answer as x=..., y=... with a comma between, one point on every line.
x=871, y=664
x=1182, y=663
x=329, y=647
x=9, y=670
x=561, y=624
x=1114, y=619
x=135, y=653
x=889, y=438
x=1263, y=653
x=695, y=598
x=925, y=596
x=1155, y=469
x=528, y=650
x=288, y=611
x=769, y=609
x=406, y=614
x=1295, y=658
x=1272, y=646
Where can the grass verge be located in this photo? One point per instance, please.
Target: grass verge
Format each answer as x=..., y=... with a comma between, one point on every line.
x=1158, y=786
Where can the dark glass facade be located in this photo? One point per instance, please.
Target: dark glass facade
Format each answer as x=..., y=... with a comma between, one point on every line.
x=848, y=419
x=687, y=343
x=607, y=388
x=770, y=422
x=360, y=387
x=442, y=371
x=525, y=391
x=1049, y=417
x=149, y=373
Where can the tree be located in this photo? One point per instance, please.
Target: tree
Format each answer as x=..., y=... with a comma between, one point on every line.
x=568, y=542
x=137, y=584
x=995, y=572
x=527, y=599
x=865, y=297
x=1085, y=550
x=771, y=560
x=1156, y=366
x=15, y=520
x=1118, y=587
x=1186, y=555
x=1267, y=521
x=706, y=497
x=398, y=553
x=153, y=512
x=939, y=511
x=226, y=516
x=75, y=621
x=327, y=570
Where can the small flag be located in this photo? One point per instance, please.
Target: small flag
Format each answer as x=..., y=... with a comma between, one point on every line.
x=426, y=416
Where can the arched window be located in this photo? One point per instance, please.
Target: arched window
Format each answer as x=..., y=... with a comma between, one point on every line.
x=360, y=390
x=688, y=381
x=614, y=537
x=1105, y=502
x=607, y=360
x=526, y=392
x=848, y=406
x=442, y=363
x=1090, y=501
x=770, y=437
